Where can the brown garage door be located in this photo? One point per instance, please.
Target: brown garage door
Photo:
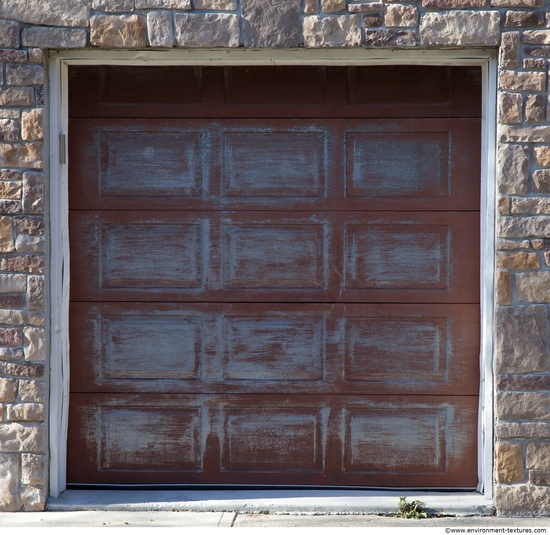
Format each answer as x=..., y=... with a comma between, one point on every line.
x=274, y=275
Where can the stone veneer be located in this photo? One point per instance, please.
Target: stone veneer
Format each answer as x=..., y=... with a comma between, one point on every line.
x=521, y=28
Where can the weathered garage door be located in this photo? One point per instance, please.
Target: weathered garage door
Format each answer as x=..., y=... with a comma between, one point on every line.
x=274, y=275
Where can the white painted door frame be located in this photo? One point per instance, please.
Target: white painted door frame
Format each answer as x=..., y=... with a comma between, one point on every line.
x=59, y=63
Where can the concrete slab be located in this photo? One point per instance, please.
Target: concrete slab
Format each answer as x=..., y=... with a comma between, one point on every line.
x=112, y=519
x=269, y=501
x=171, y=519
x=359, y=521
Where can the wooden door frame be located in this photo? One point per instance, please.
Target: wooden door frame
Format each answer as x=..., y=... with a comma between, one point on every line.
x=56, y=146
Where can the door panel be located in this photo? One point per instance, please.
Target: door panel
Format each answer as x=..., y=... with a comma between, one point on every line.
x=274, y=275
x=274, y=439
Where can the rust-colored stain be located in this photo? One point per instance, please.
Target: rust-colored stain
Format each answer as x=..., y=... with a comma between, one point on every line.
x=274, y=275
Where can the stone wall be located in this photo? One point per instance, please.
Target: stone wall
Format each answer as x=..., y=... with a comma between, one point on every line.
x=521, y=28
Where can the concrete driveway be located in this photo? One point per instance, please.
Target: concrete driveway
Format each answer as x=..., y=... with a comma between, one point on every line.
x=179, y=519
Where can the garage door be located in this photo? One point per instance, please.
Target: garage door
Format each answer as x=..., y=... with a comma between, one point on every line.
x=274, y=275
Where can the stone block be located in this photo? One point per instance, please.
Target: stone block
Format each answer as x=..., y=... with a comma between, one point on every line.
x=25, y=370
x=20, y=317
x=522, y=81
x=538, y=455
x=523, y=405
x=332, y=31
x=542, y=156
x=523, y=382
x=518, y=261
x=539, y=477
x=6, y=235
x=452, y=4
x=24, y=74
x=534, y=64
x=509, y=462
x=26, y=243
x=536, y=51
x=33, y=192
x=17, y=96
x=225, y=5
x=9, y=33
x=160, y=29
x=32, y=469
x=504, y=287
x=372, y=20
x=390, y=38
x=506, y=430
x=36, y=55
x=13, y=56
x=521, y=134
x=510, y=107
x=31, y=390
x=271, y=23
x=531, y=205
x=541, y=181
x=12, y=283
x=33, y=498
x=11, y=336
x=11, y=301
x=504, y=205
x=25, y=155
x=35, y=344
x=26, y=412
x=537, y=244
x=40, y=100
x=31, y=125
x=181, y=5
x=55, y=37
x=113, y=6
x=510, y=50
x=536, y=37
x=196, y=30
x=522, y=339
x=521, y=500
x=311, y=6
x=8, y=390
x=513, y=169
x=118, y=31
x=366, y=7
x=9, y=130
x=8, y=207
x=11, y=353
x=22, y=437
x=401, y=16
x=10, y=174
x=460, y=28
x=9, y=482
x=35, y=292
x=512, y=245
x=533, y=287
x=523, y=19
x=11, y=189
x=333, y=6
x=29, y=225
x=27, y=263
x=529, y=4
x=41, y=12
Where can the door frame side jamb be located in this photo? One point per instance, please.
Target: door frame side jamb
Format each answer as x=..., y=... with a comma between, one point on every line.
x=59, y=276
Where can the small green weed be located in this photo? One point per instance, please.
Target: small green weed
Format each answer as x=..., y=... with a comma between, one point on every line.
x=414, y=509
